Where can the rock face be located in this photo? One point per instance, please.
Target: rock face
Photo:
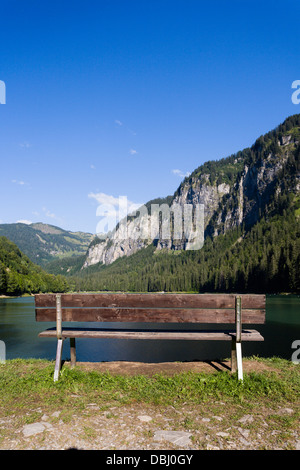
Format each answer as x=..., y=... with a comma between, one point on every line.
x=127, y=240
x=233, y=192
x=108, y=250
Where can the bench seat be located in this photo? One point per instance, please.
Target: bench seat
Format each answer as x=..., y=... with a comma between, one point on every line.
x=223, y=335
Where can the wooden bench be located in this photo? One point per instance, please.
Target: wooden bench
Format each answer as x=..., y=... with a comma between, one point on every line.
x=154, y=308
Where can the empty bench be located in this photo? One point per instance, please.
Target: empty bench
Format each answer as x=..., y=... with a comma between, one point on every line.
x=156, y=308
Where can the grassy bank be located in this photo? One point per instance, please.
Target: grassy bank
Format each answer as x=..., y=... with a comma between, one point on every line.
x=23, y=382
x=27, y=391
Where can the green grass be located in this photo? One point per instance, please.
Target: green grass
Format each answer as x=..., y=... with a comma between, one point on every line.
x=24, y=383
x=270, y=397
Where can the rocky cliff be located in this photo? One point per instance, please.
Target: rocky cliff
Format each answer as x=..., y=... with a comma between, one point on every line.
x=235, y=191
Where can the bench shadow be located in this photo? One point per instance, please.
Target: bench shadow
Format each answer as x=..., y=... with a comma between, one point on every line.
x=218, y=365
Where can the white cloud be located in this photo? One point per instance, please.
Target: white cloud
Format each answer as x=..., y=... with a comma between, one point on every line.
x=21, y=183
x=48, y=213
x=24, y=221
x=51, y=215
x=132, y=152
x=26, y=145
x=122, y=203
x=120, y=123
x=112, y=210
x=180, y=173
x=93, y=167
x=103, y=198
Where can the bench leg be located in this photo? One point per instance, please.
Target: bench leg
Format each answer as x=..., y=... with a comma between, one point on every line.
x=236, y=358
x=73, y=352
x=58, y=359
x=239, y=360
x=233, y=356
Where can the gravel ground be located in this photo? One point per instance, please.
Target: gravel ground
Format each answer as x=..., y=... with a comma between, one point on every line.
x=209, y=426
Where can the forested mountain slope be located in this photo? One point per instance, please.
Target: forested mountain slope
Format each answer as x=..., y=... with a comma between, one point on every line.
x=43, y=243
x=19, y=275
x=252, y=217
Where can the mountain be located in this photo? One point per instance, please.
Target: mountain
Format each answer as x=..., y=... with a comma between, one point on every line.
x=43, y=243
x=19, y=275
x=251, y=229
x=235, y=192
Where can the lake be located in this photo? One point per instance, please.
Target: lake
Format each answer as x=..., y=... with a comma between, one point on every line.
x=19, y=331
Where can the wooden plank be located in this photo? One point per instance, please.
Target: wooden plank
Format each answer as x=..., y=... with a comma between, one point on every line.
x=238, y=318
x=226, y=335
x=58, y=316
x=154, y=315
x=150, y=300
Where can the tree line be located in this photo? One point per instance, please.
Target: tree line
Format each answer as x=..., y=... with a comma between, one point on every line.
x=19, y=275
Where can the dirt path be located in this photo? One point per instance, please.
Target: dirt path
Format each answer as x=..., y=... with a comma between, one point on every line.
x=168, y=368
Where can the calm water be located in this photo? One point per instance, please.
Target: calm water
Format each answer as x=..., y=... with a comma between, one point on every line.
x=19, y=331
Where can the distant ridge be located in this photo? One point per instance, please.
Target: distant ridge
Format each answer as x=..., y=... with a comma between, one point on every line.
x=43, y=243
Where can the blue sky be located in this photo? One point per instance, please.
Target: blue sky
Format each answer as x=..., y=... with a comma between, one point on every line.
x=114, y=98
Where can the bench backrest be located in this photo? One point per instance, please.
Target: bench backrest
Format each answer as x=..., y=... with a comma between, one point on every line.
x=150, y=307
